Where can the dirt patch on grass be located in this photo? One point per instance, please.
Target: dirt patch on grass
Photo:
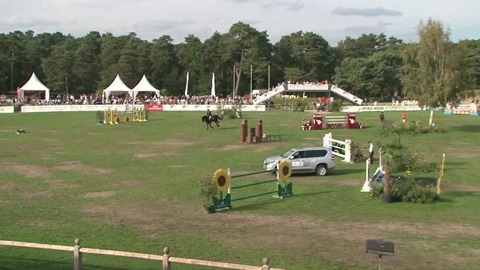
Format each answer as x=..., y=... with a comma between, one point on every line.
x=133, y=143
x=145, y=155
x=103, y=194
x=29, y=171
x=171, y=153
x=126, y=183
x=9, y=187
x=257, y=148
x=58, y=184
x=263, y=147
x=230, y=147
x=173, y=143
x=77, y=166
x=462, y=188
x=301, y=224
x=299, y=232
x=36, y=195
x=462, y=150
x=177, y=166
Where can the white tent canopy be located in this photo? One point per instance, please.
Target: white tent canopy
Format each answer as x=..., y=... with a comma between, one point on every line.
x=144, y=86
x=117, y=87
x=34, y=84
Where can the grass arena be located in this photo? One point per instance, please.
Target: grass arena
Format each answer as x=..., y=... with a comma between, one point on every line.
x=134, y=187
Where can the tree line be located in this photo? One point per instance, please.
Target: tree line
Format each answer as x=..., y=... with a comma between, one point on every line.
x=370, y=65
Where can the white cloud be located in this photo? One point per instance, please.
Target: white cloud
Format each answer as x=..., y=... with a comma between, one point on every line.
x=153, y=18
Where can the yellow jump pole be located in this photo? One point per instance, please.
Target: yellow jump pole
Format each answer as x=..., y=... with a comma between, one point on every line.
x=115, y=115
x=142, y=115
x=110, y=118
x=439, y=182
x=105, y=116
x=135, y=115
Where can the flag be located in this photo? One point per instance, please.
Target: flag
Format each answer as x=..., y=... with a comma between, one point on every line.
x=212, y=93
x=186, y=86
x=19, y=93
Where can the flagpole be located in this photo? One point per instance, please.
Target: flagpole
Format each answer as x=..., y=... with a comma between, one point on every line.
x=233, y=89
x=251, y=82
x=268, y=88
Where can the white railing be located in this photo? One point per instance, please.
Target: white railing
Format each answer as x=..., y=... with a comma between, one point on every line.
x=329, y=142
x=270, y=94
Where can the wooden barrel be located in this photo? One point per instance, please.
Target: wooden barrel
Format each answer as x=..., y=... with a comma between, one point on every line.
x=243, y=131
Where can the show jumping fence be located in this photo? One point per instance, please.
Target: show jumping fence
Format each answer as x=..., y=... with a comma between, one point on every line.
x=78, y=252
x=339, y=148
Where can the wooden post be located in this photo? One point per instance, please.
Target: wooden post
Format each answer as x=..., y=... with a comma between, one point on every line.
x=77, y=255
x=259, y=131
x=387, y=189
x=166, y=259
x=439, y=182
x=243, y=131
x=266, y=264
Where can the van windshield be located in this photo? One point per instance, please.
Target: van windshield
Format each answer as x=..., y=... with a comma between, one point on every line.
x=288, y=153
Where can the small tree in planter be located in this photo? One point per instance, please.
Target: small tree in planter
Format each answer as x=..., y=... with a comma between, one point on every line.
x=208, y=191
x=100, y=116
x=387, y=196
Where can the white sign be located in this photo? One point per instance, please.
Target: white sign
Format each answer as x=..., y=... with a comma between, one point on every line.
x=356, y=109
x=7, y=109
x=297, y=164
x=121, y=108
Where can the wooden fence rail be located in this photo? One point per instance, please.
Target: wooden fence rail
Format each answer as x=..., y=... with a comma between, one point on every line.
x=166, y=260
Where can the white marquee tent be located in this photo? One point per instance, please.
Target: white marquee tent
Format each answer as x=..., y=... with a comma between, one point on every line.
x=144, y=86
x=34, y=84
x=117, y=87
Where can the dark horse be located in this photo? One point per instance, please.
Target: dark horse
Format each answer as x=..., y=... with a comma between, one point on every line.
x=213, y=119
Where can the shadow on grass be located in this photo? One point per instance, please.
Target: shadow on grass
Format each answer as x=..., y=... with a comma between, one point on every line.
x=16, y=263
x=453, y=196
x=335, y=172
x=467, y=128
x=453, y=165
x=255, y=206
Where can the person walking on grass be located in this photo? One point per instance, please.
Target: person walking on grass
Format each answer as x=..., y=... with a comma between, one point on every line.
x=404, y=117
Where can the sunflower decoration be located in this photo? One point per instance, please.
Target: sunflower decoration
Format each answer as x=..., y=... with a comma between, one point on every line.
x=285, y=171
x=221, y=180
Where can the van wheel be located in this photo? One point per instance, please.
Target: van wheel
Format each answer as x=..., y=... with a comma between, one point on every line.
x=321, y=170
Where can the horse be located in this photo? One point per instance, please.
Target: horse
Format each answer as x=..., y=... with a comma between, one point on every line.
x=213, y=119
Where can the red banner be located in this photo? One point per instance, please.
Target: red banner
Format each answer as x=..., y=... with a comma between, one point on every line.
x=19, y=93
x=155, y=108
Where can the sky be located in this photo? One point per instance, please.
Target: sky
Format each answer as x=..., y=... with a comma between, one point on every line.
x=150, y=19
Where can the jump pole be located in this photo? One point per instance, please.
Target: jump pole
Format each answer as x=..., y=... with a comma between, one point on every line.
x=439, y=182
x=281, y=190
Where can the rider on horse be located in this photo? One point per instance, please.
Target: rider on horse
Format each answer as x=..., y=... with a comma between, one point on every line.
x=209, y=114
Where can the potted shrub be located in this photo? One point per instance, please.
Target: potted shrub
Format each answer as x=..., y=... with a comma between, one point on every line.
x=208, y=191
x=387, y=196
x=99, y=115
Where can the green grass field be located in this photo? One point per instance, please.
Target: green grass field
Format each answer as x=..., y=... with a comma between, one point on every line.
x=134, y=187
